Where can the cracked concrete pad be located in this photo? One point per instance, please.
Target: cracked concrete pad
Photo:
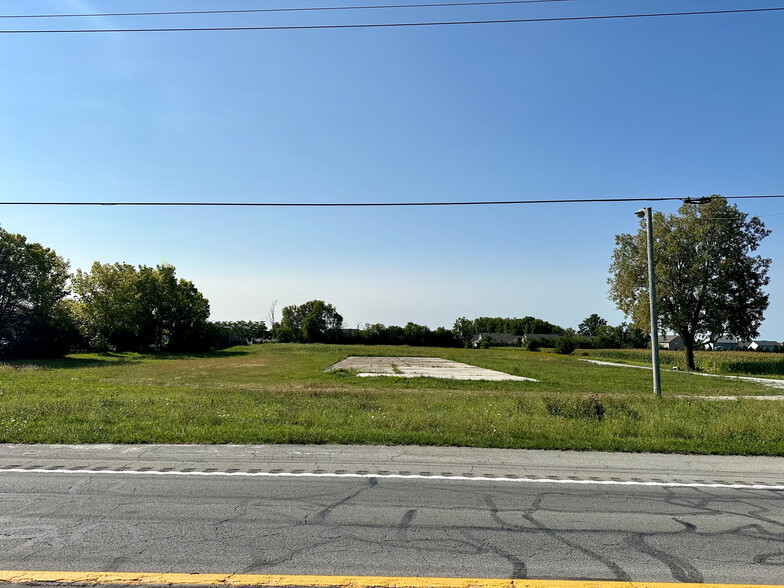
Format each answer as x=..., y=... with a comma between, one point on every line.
x=421, y=367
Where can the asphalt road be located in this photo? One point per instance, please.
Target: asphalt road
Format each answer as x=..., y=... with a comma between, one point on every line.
x=392, y=511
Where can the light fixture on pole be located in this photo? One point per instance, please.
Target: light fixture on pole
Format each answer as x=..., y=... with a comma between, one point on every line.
x=646, y=212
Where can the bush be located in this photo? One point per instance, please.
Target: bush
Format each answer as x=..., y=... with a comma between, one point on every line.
x=532, y=345
x=565, y=346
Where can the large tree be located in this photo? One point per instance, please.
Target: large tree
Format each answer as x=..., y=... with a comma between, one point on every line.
x=120, y=307
x=34, y=321
x=312, y=322
x=108, y=308
x=709, y=283
x=590, y=326
x=173, y=312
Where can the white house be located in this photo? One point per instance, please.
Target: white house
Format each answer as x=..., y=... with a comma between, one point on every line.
x=764, y=346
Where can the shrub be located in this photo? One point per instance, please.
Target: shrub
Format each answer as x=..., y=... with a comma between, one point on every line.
x=565, y=346
x=532, y=345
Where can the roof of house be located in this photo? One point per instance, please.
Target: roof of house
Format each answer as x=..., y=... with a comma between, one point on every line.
x=500, y=337
x=668, y=338
x=761, y=342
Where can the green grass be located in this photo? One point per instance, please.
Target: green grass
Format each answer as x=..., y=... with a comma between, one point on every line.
x=280, y=394
x=739, y=363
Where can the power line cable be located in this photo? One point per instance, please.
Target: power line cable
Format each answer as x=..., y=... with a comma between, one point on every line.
x=397, y=24
x=374, y=204
x=298, y=9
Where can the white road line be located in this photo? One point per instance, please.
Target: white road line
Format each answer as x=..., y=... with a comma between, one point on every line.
x=398, y=477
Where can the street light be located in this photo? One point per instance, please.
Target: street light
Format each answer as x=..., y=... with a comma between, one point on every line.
x=646, y=212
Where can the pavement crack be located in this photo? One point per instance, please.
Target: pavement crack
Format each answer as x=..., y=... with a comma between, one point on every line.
x=519, y=569
x=774, y=558
x=243, y=510
x=322, y=515
x=617, y=570
x=682, y=571
x=288, y=557
x=689, y=527
x=494, y=513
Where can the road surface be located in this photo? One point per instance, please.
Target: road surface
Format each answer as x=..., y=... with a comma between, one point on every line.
x=392, y=511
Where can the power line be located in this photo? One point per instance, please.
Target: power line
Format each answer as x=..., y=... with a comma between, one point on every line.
x=300, y=9
x=397, y=24
x=373, y=204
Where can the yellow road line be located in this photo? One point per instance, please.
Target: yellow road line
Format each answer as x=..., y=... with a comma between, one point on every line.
x=275, y=580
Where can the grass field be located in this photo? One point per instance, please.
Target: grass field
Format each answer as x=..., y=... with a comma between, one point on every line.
x=280, y=394
x=739, y=363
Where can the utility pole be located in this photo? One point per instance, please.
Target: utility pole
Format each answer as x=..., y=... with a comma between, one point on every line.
x=646, y=212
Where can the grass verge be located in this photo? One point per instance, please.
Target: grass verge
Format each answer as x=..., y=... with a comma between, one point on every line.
x=738, y=363
x=279, y=394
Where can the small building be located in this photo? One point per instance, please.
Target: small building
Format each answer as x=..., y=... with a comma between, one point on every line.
x=674, y=342
x=499, y=339
x=764, y=346
x=722, y=344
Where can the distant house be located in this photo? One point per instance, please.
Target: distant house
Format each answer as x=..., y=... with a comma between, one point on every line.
x=722, y=344
x=764, y=346
x=674, y=342
x=223, y=341
x=500, y=339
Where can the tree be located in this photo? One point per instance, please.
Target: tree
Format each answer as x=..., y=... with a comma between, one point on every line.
x=120, y=307
x=108, y=309
x=312, y=322
x=34, y=321
x=463, y=330
x=189, y=330
x=708, y=282
x=271, y=317
x=416, y=335
x=590, y=326
x=624, y=336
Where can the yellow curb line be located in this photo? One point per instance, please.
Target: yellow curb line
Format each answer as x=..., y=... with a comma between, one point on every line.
x=152, y=579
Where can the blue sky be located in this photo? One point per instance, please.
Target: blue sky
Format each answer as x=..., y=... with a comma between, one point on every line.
x=651, y=107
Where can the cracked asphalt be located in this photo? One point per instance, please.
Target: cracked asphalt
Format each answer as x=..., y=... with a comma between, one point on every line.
x=100, y=508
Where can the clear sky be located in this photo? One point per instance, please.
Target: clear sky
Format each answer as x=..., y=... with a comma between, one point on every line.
x=683, y=106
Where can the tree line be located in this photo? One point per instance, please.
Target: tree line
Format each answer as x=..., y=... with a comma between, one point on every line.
x=319, y=322
x=45, y=311
x=710, y=284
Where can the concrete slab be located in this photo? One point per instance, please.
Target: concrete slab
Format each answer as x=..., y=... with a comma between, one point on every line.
x=421, y=367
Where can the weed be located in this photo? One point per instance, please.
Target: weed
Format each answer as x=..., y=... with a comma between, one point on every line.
x=590, y=408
